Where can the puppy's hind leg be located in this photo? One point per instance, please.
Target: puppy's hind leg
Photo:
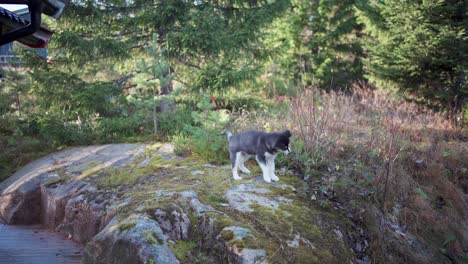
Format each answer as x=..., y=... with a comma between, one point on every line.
x=263, y=165
x=243, y=158
x=235, y=164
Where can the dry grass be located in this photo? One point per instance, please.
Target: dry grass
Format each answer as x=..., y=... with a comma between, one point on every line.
x=415, y=161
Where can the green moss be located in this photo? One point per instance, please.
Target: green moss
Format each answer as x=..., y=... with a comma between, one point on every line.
x=275, y=227
x=152, y=237
x=54, y=181
x=221, y=220
x=90, y=171
x=271, y=229
x=150, y=260
x=289, y=179
x=131, y=173
x=193, y=219
x=181, y=248
x=252, y=242
x=92, y=163
x=215, y=198
x=126, y=226
x=237, y=244
x=149, y=150
x=227, y=235
x=145, y=200
x=117, y=177
x=325, y=204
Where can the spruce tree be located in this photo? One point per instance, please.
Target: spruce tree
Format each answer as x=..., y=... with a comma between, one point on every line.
x=335, y=47
x=97, y=46
x=154, y=75
x=211, y=44
x=419, y=48
x=318, y=41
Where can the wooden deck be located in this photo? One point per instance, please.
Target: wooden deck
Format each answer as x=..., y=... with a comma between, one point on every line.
x=36, y=245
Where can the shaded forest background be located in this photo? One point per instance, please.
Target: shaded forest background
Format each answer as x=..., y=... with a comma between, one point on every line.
x=375, y=93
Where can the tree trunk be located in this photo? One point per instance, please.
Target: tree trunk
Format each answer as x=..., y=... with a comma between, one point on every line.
x=18, y=103
x=166, y=105
x=155, y=119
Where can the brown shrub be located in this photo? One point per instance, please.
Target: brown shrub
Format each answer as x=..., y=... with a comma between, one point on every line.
x=407, y=150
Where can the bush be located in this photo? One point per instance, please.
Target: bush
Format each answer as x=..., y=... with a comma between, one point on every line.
x=56, y=131
x=206, y=139
x=209, y=145
x=230, y=102
x=8, y=124
x=17, y=151
x=204, y=136
x=173, y=123
x=182, y=145
x=372, y=151
x=113, y=129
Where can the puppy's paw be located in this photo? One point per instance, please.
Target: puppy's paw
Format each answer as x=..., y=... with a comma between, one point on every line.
x=274, y=178
x=246, y=171
x=237, y=177
x=267, y=180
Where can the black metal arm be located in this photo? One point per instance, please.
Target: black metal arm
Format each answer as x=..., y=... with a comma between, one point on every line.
x=35, y=9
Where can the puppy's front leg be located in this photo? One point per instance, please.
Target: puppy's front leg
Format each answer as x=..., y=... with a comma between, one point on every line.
x=271, y=168
x=270, y=159
x=264, y=166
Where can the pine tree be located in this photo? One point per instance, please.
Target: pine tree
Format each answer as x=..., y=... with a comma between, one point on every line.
x=336, y=57
x=97, y=46
x=318, y=41
x=153, y=76
x=211, y=44
x=419, y=48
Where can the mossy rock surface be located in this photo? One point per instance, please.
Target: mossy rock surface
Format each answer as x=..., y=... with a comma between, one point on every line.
x=248, y=221
x=290, y=229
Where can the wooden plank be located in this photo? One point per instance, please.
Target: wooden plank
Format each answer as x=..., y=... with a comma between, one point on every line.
x=36, y=245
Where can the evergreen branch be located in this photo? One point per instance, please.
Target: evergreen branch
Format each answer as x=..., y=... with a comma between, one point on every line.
x=188, y=64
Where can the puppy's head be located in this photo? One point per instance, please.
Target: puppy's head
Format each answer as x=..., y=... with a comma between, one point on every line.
x=282, y=144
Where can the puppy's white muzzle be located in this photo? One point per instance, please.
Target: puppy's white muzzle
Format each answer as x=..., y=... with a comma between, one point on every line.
x=286, y=152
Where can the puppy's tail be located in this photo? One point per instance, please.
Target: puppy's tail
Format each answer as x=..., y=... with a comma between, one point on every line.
x=228, y=134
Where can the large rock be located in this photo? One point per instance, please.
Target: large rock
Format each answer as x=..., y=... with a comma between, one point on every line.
x=228, y=244
x=242, y=196
x=173, y=218
x=20, y=201
x=174, y=222
x=232, y=235
x=123, y=216
x=137, y=239
x=85, y=215
x=21, y=198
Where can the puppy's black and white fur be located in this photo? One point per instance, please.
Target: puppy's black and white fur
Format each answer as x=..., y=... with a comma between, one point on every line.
x=264, y=146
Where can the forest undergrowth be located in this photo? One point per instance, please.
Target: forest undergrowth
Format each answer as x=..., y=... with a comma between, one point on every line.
x=399, y=170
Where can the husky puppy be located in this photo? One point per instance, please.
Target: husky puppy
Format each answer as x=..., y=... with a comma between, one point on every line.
x=264, y=146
